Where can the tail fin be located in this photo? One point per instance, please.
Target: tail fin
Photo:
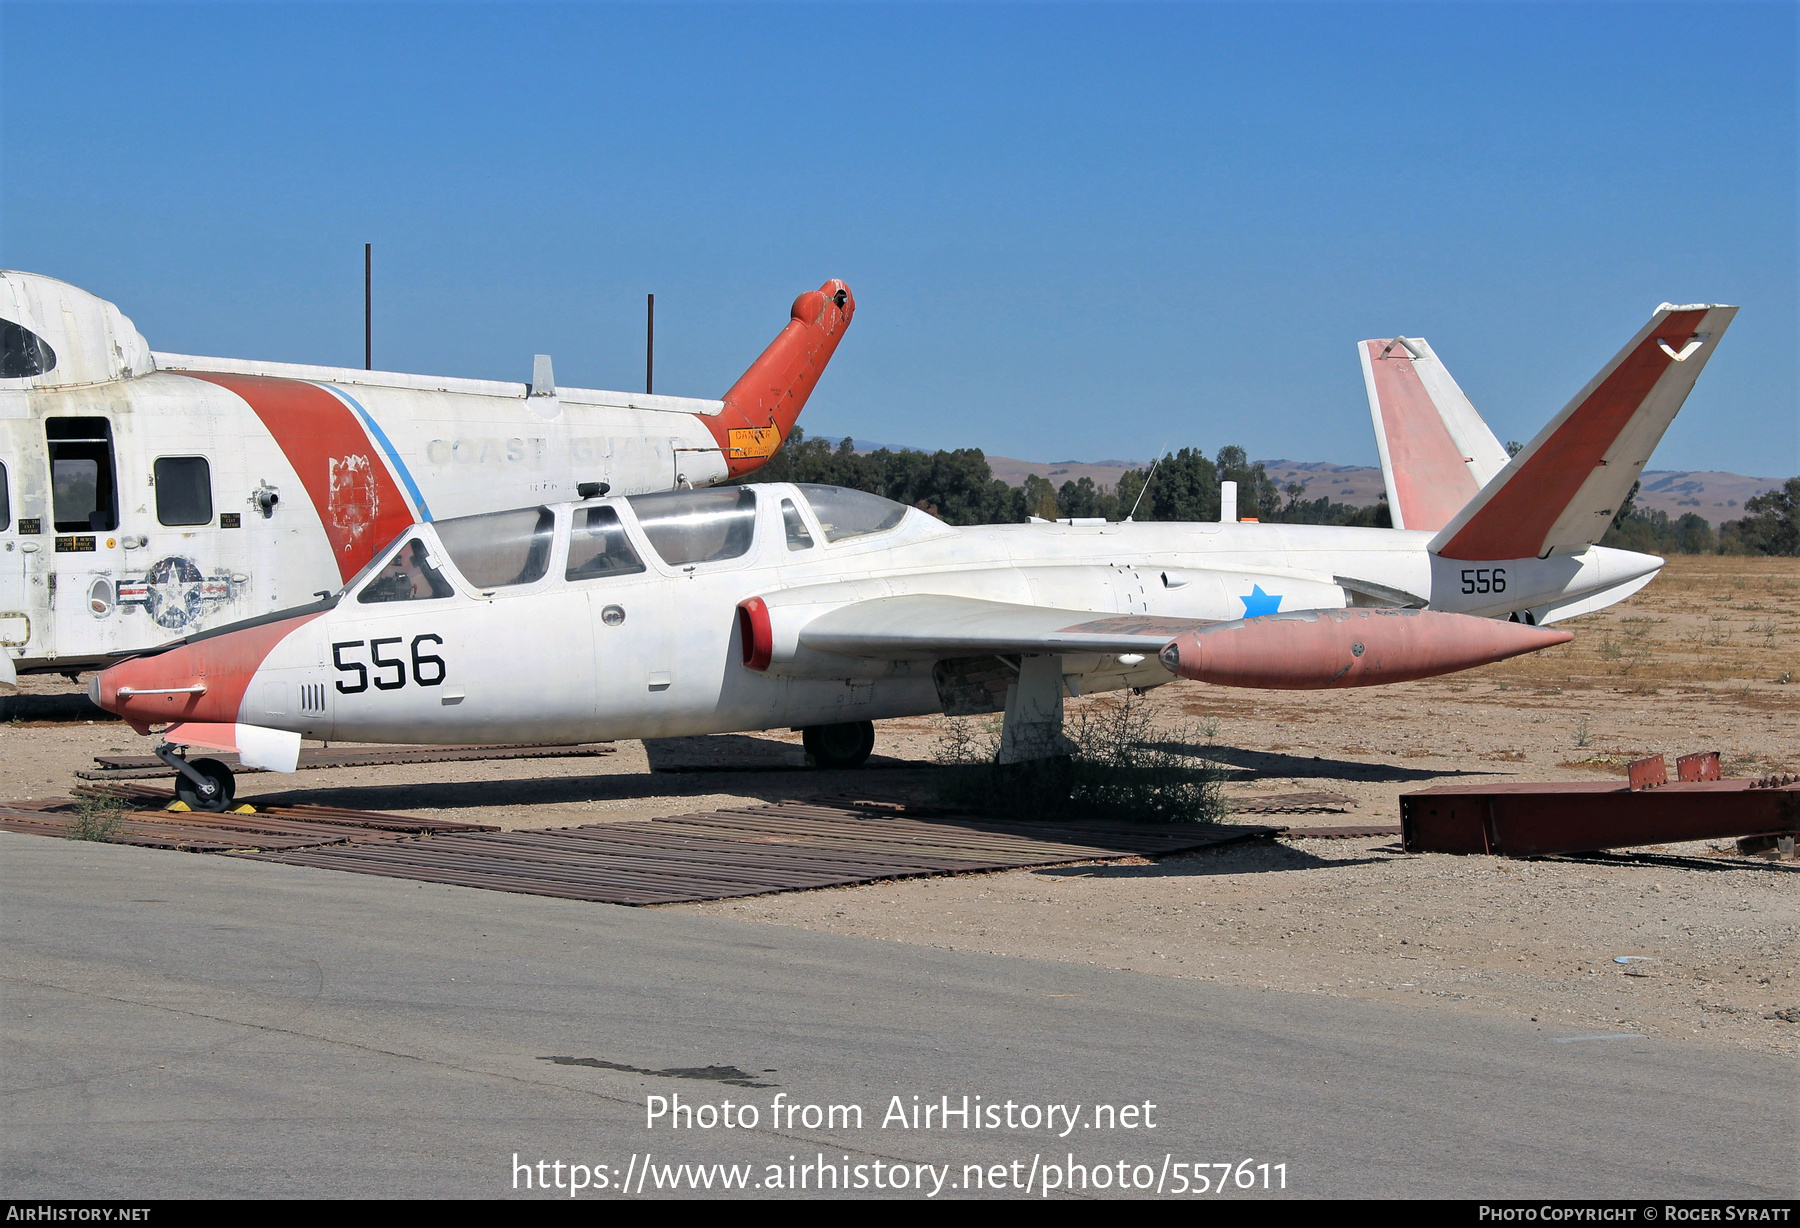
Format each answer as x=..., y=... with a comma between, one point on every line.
x=761, y=407
x=1436, y=452
x=1561, y=491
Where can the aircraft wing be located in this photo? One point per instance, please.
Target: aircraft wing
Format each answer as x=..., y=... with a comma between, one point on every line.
x=925, y=627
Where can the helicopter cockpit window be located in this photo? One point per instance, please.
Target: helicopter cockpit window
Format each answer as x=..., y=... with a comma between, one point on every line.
x=798, y=538
x=410, y=574
x=598, y=546
x=500, y=549
x=851, y=513
x=23, y=353
x=183, y=490
x=698, y=526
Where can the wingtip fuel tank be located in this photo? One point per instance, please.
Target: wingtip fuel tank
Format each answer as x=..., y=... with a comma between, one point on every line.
x=1328, y=649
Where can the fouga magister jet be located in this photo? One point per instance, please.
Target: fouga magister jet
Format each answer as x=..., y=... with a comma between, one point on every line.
x=824, y=609
x=147, y=495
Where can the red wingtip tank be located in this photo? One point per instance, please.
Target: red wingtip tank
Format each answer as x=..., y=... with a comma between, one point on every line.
x=761, y=407
x=1328, y=649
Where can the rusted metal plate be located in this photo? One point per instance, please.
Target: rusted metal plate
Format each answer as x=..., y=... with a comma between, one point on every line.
x=141, y=767
x=749, y=851
x=702, y=856
x=1529, y=820
x=271, y=828
x=1648, y=773
x=1701, y=766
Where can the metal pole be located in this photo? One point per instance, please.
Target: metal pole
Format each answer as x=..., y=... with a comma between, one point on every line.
x=650, y=348
x=368, y=307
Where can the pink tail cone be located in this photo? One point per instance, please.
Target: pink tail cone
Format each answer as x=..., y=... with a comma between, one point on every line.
x=1326, y=649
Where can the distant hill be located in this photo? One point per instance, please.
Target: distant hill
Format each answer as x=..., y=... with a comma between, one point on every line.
x=1716, y=496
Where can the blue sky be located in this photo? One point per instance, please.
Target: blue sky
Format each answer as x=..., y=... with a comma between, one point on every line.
x=1073, y=231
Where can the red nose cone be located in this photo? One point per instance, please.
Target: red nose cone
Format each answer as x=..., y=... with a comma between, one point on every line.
x=1322, y=649
x=203, y=679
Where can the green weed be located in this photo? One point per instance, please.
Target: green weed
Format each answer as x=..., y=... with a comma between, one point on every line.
x=98, y=818
x=1124, y=767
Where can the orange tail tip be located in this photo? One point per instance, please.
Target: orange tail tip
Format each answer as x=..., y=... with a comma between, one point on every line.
x=1327, y=649
x=762, y=406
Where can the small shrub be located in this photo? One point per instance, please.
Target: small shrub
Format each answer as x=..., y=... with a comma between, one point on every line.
x=1581, y=732
x=97, y=818
x=1124, y=767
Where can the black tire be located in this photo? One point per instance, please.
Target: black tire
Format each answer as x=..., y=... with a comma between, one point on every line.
x=839, y=746
x=187, y=791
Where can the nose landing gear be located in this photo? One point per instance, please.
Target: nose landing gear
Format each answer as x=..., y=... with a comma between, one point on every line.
x=204, y=784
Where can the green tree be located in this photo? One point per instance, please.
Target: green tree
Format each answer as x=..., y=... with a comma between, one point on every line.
x=1772, y=527
x=1184, y=486
x=1040, y=498
x=1259, y=495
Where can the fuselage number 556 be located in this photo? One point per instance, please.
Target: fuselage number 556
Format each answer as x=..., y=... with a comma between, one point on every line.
x=1484, y=580
x=427, y=668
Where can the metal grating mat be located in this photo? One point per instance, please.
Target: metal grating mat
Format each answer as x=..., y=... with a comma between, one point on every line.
x=746, y=851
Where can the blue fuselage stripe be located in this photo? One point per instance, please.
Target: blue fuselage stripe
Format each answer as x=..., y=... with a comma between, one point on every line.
x=387, y=446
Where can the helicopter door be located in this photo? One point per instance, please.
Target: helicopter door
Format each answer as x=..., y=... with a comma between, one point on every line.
x=84, y=498
x=15, y=615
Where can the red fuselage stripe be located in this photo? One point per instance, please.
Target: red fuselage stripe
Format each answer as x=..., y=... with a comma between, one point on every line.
x=359, y=504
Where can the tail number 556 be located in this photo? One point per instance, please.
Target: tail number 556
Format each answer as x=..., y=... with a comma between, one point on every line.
x=427, y=668
x=1484, y=579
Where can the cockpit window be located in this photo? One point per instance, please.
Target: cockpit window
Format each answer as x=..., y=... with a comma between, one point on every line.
x=598, y=546
x=410, y=574
x=23, y=353
x=698, y=526
x=500, y=549
x=797, y=536
x=851, y=513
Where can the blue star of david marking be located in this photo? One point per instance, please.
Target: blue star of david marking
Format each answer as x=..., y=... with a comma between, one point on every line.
x=1259, y=602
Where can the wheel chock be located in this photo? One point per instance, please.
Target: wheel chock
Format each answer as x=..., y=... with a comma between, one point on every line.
x=178, y=806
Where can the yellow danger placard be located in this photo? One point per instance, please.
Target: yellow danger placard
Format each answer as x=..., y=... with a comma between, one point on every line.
x=755, y=441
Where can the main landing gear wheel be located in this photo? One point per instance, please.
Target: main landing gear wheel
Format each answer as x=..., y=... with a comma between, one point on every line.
x=839, y=746
x=224, y=786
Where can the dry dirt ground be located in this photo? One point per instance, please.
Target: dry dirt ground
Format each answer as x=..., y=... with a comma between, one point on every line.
x=1704, y=659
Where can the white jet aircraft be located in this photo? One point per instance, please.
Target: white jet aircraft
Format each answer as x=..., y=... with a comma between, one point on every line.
x=144, y=495
x=814, y=607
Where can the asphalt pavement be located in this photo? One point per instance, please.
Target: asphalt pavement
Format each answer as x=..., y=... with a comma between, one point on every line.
x=177, y=1025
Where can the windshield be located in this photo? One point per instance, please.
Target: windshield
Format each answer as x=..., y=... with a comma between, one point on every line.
x=500, y=549
x=23, y=353
x=851, y=513
x=598, y=546
x=797, y=536
x=409, y=574
x=697, y=526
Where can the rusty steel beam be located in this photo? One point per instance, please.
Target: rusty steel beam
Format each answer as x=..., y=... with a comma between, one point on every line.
x=1532, y=820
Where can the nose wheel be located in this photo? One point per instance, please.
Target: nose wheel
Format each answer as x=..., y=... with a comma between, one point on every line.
x=839, y=746
x=204, y=784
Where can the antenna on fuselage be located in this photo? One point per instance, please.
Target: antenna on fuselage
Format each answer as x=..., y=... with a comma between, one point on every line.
x=1147, y=477
x=368, y=306
x=650, y=346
